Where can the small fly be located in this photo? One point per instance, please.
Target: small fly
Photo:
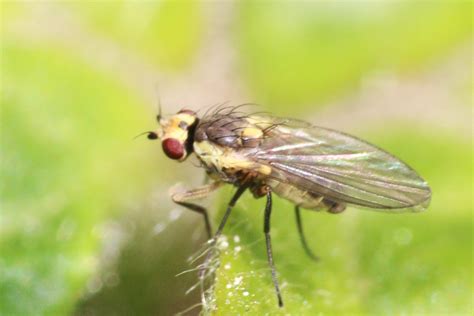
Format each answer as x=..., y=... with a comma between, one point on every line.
x=313, y=167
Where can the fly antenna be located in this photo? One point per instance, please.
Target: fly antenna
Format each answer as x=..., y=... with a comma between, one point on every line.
x=151, y=135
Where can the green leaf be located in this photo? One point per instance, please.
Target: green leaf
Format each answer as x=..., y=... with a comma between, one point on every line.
x=371, y=263
x=66, y=156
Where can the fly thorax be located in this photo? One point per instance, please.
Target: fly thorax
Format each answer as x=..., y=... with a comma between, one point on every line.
x=230, y=132
x=228, y=161
x=208, y=153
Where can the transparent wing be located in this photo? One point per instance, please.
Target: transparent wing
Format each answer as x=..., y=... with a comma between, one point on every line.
x=339, y=167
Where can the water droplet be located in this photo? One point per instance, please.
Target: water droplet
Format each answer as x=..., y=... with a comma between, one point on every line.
x=175, y=214
x=111, y=279
x=94, y=285
x=238, y=280
x=159, y=228
x=223, y=244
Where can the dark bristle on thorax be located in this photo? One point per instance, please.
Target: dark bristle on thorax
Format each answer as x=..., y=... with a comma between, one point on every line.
x=225, y=130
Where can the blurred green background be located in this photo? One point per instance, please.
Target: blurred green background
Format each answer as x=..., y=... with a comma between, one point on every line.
x=87, y=226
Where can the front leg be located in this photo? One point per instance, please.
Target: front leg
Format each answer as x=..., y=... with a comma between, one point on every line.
x=182, y=198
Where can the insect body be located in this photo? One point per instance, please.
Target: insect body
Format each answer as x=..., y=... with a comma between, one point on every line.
x=313, y=167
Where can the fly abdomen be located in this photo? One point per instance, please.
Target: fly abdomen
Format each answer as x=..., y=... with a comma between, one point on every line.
x=297, y=196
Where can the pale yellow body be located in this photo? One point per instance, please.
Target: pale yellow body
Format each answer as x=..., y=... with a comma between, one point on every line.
x=222, y=161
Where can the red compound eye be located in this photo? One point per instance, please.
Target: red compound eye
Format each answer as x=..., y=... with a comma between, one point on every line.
x=187, y=111
x=173, y=148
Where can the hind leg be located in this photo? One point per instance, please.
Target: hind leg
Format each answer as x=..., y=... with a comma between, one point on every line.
x=299, y=224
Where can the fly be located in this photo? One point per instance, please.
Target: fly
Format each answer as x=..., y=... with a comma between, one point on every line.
x=313, y=167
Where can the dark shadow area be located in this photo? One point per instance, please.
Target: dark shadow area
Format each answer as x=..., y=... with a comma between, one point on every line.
x=143, y=280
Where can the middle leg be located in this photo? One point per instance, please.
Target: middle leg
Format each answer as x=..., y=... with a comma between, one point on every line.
x=266, y=230
x=213, y=241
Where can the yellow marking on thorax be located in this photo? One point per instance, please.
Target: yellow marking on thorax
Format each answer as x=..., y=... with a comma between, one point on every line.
x=252, y=132
x=264, y=169
x=259, y=121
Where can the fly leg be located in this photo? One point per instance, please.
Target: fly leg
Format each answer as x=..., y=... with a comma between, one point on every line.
x=266, y=230
x=182, y=198
x=302, y=237
x=230, y=206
